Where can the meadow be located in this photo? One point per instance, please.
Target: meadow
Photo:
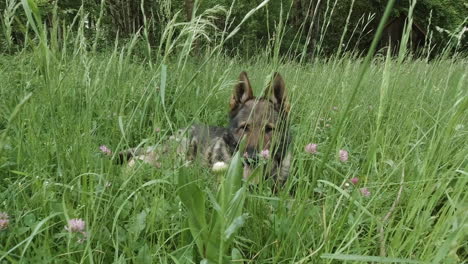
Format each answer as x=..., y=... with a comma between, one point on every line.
x=400, y=196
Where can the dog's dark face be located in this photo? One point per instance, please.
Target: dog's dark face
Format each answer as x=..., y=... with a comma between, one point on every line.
x=260, y=120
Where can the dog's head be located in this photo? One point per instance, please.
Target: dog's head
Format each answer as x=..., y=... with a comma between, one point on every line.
x=261, y=120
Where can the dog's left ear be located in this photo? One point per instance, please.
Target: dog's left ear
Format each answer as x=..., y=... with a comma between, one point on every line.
x=276, y=93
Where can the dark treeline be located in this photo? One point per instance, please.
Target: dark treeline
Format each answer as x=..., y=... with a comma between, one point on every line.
x=312, y=26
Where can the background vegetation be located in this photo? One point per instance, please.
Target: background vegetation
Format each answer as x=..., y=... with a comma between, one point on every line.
x=317, y=24
x=76, y=77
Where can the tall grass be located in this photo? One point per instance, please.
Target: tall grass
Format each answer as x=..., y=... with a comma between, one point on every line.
x=402, y=121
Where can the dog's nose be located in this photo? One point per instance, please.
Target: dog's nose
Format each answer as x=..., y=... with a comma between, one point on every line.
x=251, y=156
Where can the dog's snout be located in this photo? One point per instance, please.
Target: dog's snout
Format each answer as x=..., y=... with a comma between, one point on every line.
x=251, y=156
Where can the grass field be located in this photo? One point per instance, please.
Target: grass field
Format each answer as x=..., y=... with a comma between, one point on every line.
x=406, y=129
x=401, y=196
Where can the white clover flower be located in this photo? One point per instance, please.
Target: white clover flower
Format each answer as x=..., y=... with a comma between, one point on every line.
x=219, y=166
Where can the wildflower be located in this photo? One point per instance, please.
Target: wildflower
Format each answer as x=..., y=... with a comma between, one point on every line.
x=4, y=221
x=335, y=108
x=343, y=155
x=365, y=192
x=76, y=225
x=219, y=166
x=354, y=180
x=311, y=148
x=104, y=149
x=265, y=154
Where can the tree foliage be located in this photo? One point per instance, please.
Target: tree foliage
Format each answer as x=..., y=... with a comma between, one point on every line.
x=322, y=26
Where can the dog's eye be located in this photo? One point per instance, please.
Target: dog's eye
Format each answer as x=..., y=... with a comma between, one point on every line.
x=268, y=129
x=245, y=127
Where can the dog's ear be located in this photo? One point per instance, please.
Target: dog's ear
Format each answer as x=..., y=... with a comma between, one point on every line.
x=242, y=92
x=276, y=93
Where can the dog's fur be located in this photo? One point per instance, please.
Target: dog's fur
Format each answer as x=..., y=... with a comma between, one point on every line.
x=262, y=121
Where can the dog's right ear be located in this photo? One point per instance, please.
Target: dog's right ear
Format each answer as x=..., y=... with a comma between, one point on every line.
x=242, y=92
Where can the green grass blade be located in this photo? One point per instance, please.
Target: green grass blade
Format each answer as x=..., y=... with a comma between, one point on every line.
x=374, y=259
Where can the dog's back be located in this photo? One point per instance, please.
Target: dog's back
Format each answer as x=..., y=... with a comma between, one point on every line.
x=210, y=143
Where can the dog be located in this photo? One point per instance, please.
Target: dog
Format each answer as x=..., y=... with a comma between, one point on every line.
x=262, y=121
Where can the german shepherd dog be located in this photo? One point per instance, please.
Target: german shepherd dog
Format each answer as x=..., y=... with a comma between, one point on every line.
x=262, y=121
